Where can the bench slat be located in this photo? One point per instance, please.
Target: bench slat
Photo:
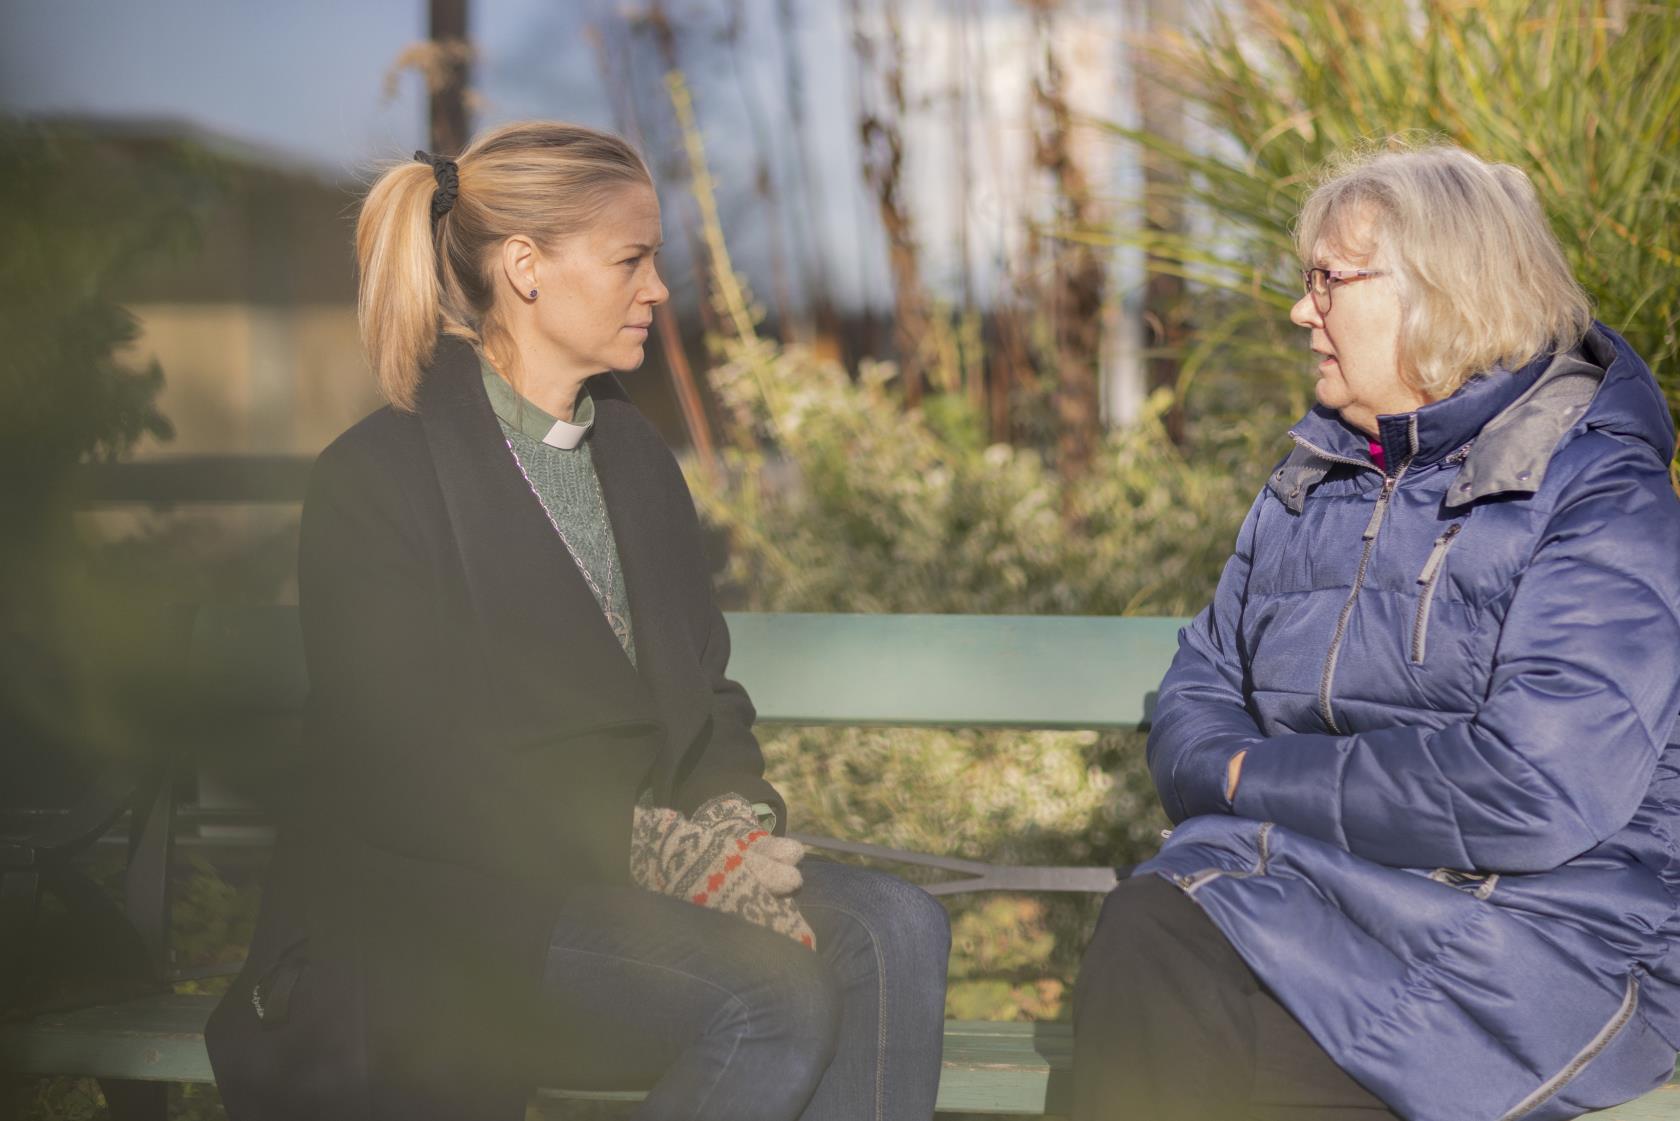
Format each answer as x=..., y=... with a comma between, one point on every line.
x=154, y=1038
x=965, y=671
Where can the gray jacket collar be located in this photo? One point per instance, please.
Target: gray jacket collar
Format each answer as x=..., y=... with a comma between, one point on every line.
x=1511, y=454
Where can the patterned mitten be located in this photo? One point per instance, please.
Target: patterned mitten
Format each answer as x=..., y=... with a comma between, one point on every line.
x=648, y=826
x=710, y=867
x=773, y=859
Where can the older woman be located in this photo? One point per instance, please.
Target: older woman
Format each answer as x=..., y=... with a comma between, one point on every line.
x=1420, y=749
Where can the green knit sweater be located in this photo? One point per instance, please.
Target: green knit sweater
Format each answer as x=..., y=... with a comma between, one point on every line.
x=566, y=484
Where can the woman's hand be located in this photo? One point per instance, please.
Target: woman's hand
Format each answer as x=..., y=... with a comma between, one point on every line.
x=774, y=860
x=722, y=860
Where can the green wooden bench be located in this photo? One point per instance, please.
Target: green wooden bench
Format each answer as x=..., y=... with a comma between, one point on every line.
x=922, y=670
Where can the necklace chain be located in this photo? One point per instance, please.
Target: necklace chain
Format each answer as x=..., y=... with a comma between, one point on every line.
x=615, y=620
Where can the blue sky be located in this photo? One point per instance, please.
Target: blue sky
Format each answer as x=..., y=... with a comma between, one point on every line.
x=304, y=76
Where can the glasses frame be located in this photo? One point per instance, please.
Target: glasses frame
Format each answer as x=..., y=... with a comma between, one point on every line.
x=1333, y=279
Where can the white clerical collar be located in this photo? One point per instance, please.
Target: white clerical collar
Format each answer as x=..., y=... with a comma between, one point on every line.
x=566, y=435
x=518, y=413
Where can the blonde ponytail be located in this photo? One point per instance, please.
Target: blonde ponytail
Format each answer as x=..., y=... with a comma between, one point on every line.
x=543, y=179
x=397, y=299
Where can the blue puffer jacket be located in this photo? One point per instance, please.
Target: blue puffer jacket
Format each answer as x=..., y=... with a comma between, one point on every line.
x=1453, y=853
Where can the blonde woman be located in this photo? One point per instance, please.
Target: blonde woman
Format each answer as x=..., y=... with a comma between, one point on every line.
x=531, y=840
x=1420, y=751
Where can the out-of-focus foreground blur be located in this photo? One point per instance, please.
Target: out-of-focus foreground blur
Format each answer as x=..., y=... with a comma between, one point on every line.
x=979, y=306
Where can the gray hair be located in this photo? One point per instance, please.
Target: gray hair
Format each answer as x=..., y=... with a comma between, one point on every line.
x=1482, y=279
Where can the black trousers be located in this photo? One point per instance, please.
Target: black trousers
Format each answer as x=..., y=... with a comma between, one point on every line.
x=1171, y=1025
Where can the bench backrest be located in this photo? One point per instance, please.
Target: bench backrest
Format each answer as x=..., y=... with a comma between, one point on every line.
x=1027, y=671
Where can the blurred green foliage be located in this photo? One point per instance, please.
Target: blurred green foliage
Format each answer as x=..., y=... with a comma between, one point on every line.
x=213, y=919
x=78, y=216
x=1583, y=95
x=850, y=503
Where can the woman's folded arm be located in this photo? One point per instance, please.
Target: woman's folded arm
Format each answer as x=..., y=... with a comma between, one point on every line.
x=1581, y=701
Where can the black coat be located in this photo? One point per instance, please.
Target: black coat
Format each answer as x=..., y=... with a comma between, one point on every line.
x=475, y=742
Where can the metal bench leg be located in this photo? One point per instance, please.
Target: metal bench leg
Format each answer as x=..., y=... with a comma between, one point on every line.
x=131, y=1100
x=146, y=886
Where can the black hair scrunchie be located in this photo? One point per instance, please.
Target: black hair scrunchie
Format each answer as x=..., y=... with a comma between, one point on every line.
x=448, y=182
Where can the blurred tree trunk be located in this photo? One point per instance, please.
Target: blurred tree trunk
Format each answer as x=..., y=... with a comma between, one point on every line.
x=881, y=136
x=656, y=23
x=816, y=261
x=449, y=126
x=1009, y=349
x=1079, y=277
x=789, y=316
x=1165, y=311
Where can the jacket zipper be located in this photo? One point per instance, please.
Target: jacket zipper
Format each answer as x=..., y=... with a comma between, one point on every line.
x=1546, y=1089
x=1370, y=537
x=1322, y=454
x=1428, y=578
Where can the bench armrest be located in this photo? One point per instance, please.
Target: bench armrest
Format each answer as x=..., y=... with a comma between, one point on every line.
x=973, y=875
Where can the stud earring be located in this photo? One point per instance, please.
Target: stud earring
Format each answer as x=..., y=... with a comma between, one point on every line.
x=533, y=293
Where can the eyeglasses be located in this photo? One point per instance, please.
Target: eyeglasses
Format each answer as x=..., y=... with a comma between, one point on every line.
x=1320, y=283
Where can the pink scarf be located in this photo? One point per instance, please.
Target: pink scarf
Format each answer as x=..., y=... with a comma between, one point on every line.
x=1377, y=455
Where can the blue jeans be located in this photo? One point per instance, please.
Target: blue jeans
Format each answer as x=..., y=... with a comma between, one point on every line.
x=728, y=1021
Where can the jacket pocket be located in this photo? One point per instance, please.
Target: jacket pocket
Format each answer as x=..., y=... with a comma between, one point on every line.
x=1262, y=864
x=1595, y=1046
x=1427, y=579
